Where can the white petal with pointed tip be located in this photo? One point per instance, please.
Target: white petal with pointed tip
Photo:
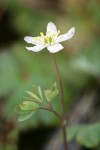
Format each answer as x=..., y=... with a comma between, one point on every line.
x=55, y=48
x=51, y=29
x=66, y=36
x=36, y=48
x=33, y=40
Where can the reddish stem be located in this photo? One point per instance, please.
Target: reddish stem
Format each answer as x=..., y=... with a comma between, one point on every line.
x=62, y=102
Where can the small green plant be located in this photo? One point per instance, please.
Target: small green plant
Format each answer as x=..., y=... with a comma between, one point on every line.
x=35, y=102
x=51, y=41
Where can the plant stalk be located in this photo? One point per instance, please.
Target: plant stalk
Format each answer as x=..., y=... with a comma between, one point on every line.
x=52, y=111
x=62, y=103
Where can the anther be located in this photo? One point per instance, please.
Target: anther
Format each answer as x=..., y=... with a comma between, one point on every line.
x=58, y=31
x=42, y=34
x=47, y=39
x=35, y=38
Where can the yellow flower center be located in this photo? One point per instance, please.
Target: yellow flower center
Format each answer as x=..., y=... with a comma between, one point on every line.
x=49, y=39
x=42, y=34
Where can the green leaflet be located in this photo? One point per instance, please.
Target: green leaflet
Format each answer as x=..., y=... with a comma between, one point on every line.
x=36, y=94
x=19, y=111
x=72, y=132
x=51, y=93
x=87, y=135
x=26, y=109
x=26, y=116
x=28, y=105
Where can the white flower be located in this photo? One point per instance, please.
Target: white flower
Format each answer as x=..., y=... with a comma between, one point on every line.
x=51, y=40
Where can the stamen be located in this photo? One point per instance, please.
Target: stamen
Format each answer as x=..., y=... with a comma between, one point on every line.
x=58, y=31
x=53, y=36
x=39, y=40
x=52, y=41
x=47, y=39
x=35, y=38
x=42, y=34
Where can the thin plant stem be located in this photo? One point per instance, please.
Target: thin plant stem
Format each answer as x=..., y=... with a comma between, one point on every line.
x=53, y=111
x=62, y=102
x=60, y=84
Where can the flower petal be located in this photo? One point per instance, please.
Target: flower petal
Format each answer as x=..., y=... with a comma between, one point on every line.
x=34, y=40
x=51, y=29
x=36, y=48
x=55, y=48
x=66, y=36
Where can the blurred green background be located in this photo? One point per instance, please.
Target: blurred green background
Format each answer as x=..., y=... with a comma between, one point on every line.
x=79, y=62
